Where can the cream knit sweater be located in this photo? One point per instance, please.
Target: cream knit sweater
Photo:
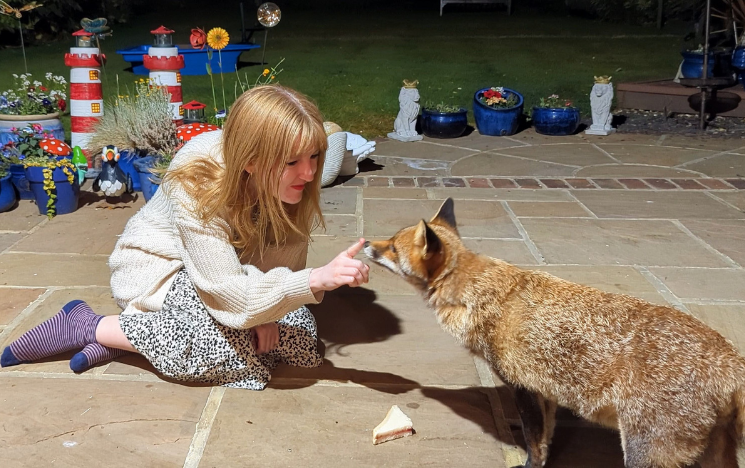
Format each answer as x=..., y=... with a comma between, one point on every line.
x=165, y=236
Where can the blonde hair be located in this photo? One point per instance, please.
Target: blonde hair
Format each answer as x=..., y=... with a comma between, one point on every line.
x=267, y=126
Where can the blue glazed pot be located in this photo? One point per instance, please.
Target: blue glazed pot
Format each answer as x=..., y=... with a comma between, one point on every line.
x=50, y=125
x=7, y=193
x=149, y=182
x=738, y=63
x=67, y=194
x=444, y=124
x=497, y=122
x=693, y=64
x=126, y=164
x=555, y=121
x=18, y=176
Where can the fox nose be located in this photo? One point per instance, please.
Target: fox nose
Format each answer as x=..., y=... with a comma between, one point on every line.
x=367, y=243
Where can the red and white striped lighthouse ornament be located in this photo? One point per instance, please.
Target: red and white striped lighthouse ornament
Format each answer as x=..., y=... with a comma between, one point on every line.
x=164, y=63
x=86, y=95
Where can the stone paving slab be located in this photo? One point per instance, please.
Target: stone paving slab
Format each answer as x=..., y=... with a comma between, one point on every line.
x=22, y=218
x=83, y=422
x=499, y=194
x=692, y=284
x=42, y=269
x=6, y=240
x=398, y=166
x=667, y=205
x=736, y=199
x=339, y=200
x=13, y=301
x=62, y=235
x=549, y=209
x=661, y=155
x=332, y=427
x=421, y=150
x=572, y=154
x=729, y=320
x=475, y=218
x=372, y=338
x=726, y=236
x=724, y=165
x=495, y=164
x=617, y=242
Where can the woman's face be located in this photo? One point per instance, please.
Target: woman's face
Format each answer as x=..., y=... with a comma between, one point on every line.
x=299, y=171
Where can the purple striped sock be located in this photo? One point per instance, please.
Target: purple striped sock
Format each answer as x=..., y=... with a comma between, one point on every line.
x=72, y=328
x=92, y=354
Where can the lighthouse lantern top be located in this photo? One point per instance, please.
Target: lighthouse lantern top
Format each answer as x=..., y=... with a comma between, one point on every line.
x=162, y=37
x=83, y=38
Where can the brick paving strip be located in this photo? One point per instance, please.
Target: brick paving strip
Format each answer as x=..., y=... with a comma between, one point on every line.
x=655, y=184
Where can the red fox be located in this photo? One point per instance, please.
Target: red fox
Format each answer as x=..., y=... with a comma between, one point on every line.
x=674, y=387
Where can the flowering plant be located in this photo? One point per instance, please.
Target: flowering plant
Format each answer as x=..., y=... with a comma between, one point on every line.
x=32, y=97
x=498, y=98
x=555, y=102
x=27, y=145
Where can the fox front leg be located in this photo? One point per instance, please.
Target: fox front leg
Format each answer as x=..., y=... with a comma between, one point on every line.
x=530, y=407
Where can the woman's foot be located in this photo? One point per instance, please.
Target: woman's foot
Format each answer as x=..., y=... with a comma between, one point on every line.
x=91, y=355
x=73, y=327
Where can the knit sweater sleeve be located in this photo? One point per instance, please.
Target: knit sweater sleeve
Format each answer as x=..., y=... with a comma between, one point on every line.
x=237, y=296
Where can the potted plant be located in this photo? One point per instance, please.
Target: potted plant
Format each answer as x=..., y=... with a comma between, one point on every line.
x=49, y=170
x=444, y=120
x=31, y=101
x=555, y=116
x=138, y=124
x=497, y=111
x=738, y=59
x=7, y=191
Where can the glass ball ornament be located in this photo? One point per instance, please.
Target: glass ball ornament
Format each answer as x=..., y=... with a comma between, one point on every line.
x=269, y=14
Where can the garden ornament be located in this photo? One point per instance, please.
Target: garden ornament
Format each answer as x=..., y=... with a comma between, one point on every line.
x=601, y=97
x=198, y=38
x=164, y=62
x=404, y=128
x=86, y=92
x=186, y=132
x=345, y=150
x=112, y=180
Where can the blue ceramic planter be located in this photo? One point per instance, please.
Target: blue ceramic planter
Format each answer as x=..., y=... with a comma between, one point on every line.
x=556, y=121
x=49, y=125
x=7, y=194
x=195, y=60
x=738, y=62
x=149, y=182
x=444, y=124
x=126, y=164
x=497, y=122
x=67, y=194
x=693, y=64
x=18, y=176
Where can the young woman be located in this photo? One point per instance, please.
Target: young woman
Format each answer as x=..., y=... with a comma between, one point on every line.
x=211, y=274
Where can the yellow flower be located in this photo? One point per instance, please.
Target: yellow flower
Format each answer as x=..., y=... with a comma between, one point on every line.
x=217, y=38
x=266, y=71
x=272, y=76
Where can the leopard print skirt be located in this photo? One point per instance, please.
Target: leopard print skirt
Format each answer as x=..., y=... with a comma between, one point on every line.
x=184, y=342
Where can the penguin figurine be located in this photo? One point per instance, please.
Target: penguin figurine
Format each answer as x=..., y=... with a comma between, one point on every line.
x=112, y=180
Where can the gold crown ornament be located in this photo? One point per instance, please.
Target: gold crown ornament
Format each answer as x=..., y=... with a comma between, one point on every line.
x=410, y=83
x=603, y=79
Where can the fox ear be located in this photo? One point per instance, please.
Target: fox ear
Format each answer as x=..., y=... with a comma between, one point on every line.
x=426, y=238
x=446, y=215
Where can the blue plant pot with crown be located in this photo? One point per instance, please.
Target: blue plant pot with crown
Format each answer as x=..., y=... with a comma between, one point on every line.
x=497, y=121
x=556, y=121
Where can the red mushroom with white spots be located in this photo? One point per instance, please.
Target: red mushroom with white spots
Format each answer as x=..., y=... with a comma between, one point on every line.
x=188, y=131
x=55, y=147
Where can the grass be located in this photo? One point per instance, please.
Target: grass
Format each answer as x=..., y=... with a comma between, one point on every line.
x=352, y=60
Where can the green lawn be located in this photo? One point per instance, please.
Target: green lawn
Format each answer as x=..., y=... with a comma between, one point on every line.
x=351, y=61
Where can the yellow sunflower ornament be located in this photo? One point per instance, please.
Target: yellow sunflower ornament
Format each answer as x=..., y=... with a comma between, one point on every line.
x=218, y=38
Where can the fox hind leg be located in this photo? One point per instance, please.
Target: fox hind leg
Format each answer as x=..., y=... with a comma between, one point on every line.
x=722, y=449
x=538, y=424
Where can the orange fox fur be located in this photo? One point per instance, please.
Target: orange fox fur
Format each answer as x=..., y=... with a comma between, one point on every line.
x=674, y=387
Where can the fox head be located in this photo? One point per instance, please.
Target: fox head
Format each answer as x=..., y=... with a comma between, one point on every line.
x=422, y=253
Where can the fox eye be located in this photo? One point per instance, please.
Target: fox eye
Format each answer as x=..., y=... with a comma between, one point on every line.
x=393, y=248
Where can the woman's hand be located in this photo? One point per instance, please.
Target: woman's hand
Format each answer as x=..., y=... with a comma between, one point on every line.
x=265, y=337
x=342, y=270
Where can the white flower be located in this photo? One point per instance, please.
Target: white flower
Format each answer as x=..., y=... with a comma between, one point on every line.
x=37, y=83
x=48, y=75
x=15, y=76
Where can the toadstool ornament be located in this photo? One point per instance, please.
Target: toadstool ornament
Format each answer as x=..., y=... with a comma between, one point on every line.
x=188, y=131
x=112, y=180
x=55, y=147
